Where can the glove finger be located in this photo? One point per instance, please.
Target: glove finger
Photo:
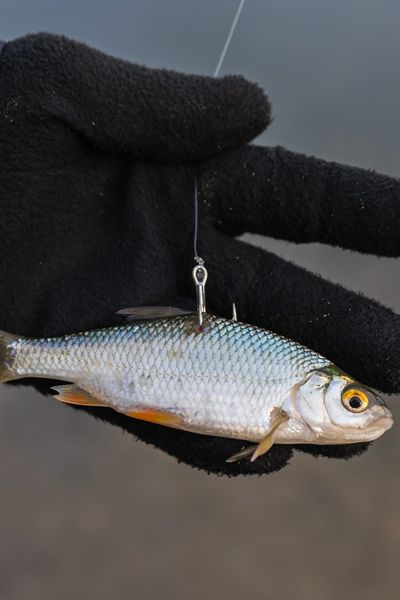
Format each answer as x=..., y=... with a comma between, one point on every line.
x=303, y=199
x=356, y=333
x=150, y=113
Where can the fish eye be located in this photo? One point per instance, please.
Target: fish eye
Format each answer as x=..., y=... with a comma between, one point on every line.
x=355, y=400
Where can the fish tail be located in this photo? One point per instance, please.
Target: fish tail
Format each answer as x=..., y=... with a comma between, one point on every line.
x=6, y=357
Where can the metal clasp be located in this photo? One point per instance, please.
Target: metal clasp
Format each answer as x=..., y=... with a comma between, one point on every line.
x=200, y=275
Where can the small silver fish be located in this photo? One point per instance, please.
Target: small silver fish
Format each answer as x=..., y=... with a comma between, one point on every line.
x=226, y=378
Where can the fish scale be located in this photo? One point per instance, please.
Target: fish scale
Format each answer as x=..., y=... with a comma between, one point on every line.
x=225, y=380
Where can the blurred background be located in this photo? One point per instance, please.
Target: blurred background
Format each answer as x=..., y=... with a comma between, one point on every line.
x=87, y=511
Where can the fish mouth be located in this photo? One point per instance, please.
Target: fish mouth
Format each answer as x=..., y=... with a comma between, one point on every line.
x=358, y=435
x=380, y=426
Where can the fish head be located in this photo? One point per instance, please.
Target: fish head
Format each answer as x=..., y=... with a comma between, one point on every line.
x=339, y=410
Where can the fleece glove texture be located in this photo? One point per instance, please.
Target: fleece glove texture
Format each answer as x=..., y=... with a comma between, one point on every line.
x=97, y=164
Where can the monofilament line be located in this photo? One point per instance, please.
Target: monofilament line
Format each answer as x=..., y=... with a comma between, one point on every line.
x=216, y=73
x=229, y=38
x=196, y=222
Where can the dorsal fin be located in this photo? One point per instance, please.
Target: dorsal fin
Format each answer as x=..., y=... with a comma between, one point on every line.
x=141, y=313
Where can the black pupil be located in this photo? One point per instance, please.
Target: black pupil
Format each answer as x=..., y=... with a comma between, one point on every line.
x=355, y=402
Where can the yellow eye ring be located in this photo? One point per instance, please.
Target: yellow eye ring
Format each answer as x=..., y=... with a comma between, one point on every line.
x=356, y=401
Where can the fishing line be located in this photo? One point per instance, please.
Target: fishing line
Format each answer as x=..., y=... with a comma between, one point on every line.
x=228, y=39
x=196, y=223
x=200, y=273
x=216, y=73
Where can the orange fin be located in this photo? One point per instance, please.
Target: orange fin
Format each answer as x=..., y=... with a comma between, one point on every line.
x=156, y=416
x=141, y=313
x=73, y=394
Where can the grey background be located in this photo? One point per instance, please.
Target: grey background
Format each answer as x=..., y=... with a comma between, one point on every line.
x=87, y=511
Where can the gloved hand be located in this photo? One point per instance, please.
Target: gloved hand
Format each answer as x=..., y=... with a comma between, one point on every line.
x=97, y=164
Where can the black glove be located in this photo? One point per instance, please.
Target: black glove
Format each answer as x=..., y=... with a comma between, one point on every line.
x=97, y=165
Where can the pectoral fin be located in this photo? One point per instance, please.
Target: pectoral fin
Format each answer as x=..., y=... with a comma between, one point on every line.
x=244, y=453
x=278, y=417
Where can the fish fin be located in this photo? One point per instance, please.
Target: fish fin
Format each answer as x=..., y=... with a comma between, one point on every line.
x=142, y=313
x=73, y=394
x=279, y=417
x=244, y=453
x=160, y=417
x=263, y=447
x=255, y=450
x=234, y=312
x=6, y=373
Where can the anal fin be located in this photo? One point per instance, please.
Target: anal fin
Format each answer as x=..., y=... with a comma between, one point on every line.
x=73, y=394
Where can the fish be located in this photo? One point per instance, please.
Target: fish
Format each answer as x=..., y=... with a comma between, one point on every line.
x=224, y=378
